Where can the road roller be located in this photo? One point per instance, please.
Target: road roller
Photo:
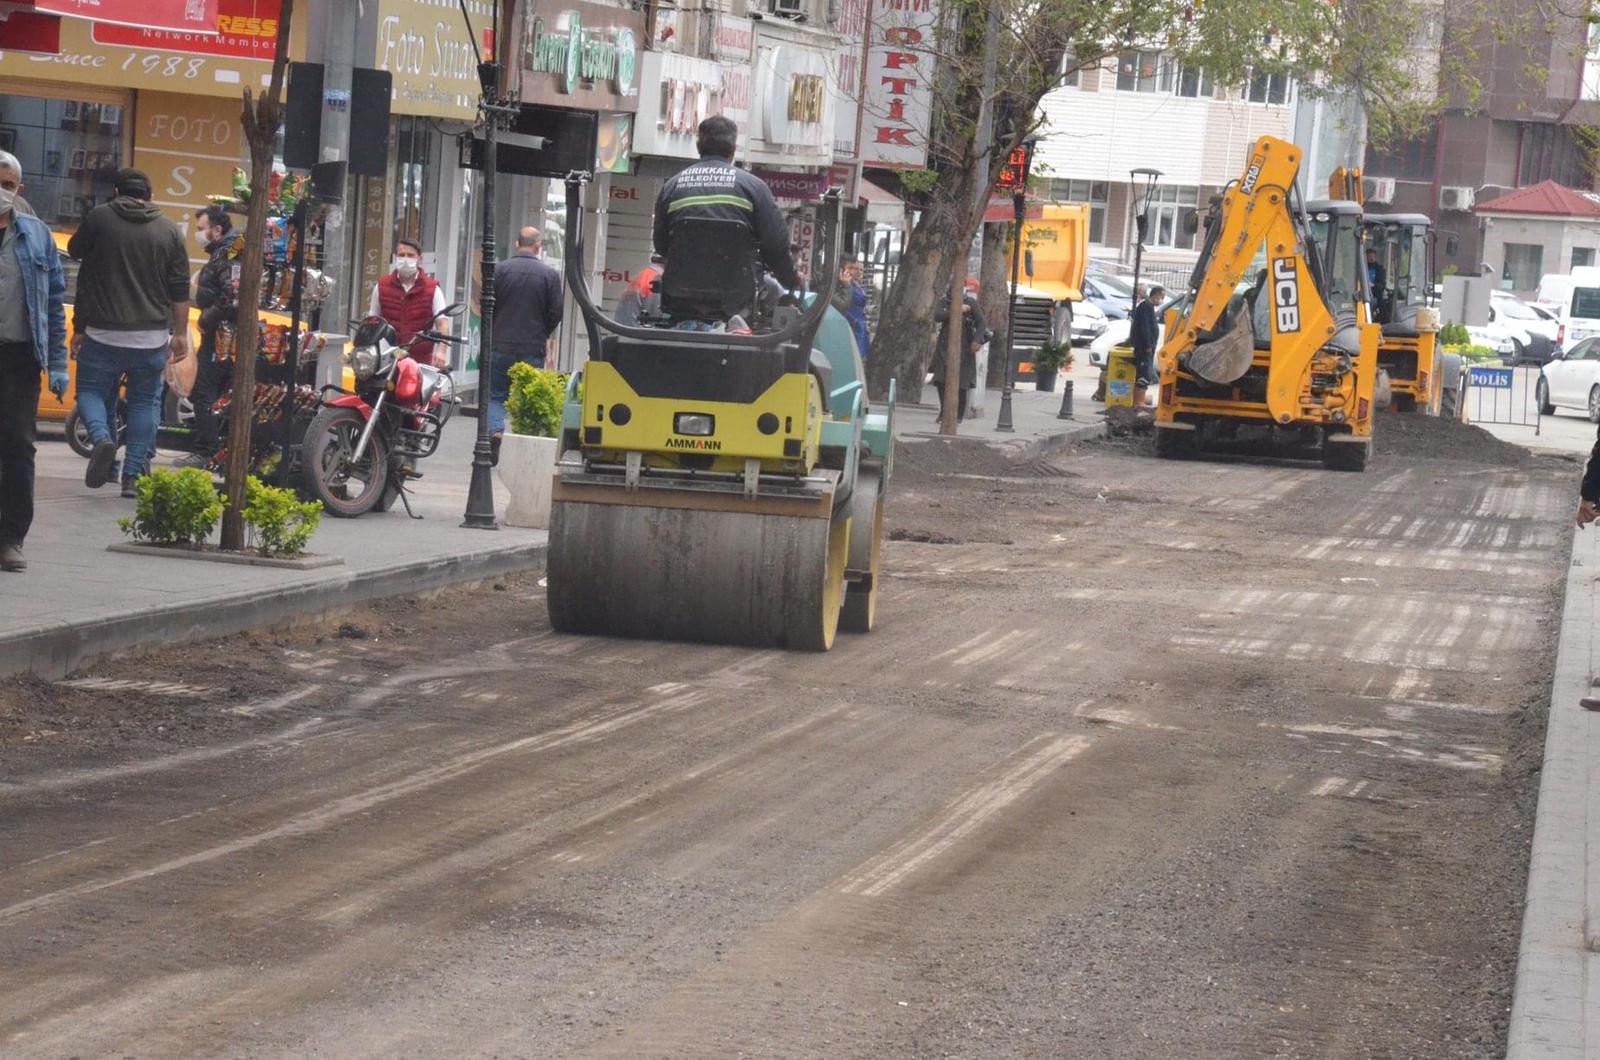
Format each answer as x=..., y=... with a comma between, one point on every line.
x=722, y=475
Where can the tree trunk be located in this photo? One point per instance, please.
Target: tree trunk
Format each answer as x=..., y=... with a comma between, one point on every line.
x=261, y=118
x=994, y=288
x=904, y=341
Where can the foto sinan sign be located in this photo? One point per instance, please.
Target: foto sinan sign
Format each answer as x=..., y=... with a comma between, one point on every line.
x=580, y=55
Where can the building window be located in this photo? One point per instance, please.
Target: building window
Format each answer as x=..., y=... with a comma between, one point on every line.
x=1267, y=87
x=1194, y=83
x=1094, y=192
x=70, y=151
x=1173, y=212
x=1523, y=266
x=1546, y=151
x=1069, y=70
x=1582, y=256
x=1411, y=160
x=1144, y=72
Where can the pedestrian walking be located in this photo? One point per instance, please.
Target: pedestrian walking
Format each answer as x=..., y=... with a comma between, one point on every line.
x=132, y=311
x=1143, y=335
x=33, y=339
x=412, y=302
x=214, y=296
x=527, y=311
x=850, y=297
x=974, y=333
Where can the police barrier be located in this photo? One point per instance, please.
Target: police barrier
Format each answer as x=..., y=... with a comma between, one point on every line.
x=1504, y=396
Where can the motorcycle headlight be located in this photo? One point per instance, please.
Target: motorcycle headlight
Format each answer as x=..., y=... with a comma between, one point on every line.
x=363, y=362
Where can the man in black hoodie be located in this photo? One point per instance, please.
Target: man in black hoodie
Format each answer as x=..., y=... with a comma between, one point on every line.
x=214, y=295
x=131, y=310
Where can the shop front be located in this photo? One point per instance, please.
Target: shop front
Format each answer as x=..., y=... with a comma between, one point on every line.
x=792, y=143
x=112, y=96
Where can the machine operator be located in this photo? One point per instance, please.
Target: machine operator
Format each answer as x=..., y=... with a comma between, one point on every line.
x=713, y=187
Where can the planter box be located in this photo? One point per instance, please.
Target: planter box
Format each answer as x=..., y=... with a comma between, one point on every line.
x=527, y=469
x=1044, y=381
x=216, y=555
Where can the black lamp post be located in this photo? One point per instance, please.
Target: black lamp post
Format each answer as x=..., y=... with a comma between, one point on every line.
x=1015, y=175
x=496, y=109
x=1141, y=223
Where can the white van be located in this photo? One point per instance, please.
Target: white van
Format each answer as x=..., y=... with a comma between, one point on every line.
x=1575, y=298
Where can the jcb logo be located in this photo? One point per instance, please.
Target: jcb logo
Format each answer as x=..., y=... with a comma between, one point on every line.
x=1248, y=184
x=1286, y=294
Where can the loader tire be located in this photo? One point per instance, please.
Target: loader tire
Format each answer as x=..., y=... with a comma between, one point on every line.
x=1174, y=445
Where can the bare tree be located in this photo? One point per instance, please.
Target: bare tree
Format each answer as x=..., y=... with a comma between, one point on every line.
x=261, y=118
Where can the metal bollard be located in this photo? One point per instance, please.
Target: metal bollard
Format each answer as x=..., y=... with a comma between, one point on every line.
x=1066, y=401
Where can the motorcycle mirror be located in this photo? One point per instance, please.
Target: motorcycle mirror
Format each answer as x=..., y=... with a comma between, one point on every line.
x=453, y=309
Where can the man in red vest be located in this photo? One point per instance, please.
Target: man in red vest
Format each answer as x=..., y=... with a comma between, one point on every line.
x=411, y=301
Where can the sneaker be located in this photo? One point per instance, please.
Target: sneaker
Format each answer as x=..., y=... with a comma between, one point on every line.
x=1590, y=702
x=130, y=487
x=193, y=460
x=101, y=458
x=11, y=559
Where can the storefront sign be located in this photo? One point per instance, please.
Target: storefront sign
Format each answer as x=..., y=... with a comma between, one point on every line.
x=196, y=64
x=846, y=81
x=182, y=16
x=803, y=242
x=615, y=147
x=732, y=39
x=428, y=49
x=797, y=111
x=580, y=55
x=795, y=187
x=686, y=91
x=900, y=69
x=189, y=145
x=242, y=29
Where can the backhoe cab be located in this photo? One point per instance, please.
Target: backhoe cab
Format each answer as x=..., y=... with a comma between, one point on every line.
x=1408, y=350
x=1275, y=334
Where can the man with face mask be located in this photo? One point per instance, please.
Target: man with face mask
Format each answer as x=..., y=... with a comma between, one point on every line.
x=411, y=301
x=33, y=339
x=215, y=297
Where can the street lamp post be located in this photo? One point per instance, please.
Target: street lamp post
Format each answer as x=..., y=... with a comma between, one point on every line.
x=1015, y=175
x=1141, y=222
x=480, y=494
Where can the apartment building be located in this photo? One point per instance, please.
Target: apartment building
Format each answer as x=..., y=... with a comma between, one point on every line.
x=1145, y=109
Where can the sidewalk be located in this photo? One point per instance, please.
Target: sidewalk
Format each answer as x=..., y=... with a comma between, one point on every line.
x=1555, y=1012
x=1033, y=415
x=78, y=602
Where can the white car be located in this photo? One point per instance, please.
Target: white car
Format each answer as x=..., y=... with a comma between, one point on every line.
x=1116, y=334
x=1572, y=381
x=1534, y=336
x=1088, y=323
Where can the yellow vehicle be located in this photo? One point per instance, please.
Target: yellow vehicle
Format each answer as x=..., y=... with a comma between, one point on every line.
x=1055, y=258
x=718, y=482
x=1409, y=348
x=1275, y=331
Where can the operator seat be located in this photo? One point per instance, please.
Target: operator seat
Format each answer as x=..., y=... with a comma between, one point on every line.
x=711, y=272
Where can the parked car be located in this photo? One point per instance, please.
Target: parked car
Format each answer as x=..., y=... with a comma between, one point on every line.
x=1088, y=322
x=1111, y=293
x=1572, y=381
x=1534, y=338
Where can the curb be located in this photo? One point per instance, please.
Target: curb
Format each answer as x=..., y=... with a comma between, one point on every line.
x=1052, y=443
x=1558, y=978
x=53, y=650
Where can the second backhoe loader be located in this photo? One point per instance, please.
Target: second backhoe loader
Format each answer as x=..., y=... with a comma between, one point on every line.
x=1275, y=334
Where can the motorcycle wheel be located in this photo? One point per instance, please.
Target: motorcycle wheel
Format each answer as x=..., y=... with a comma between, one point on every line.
x=78, y=433
x=346, y=490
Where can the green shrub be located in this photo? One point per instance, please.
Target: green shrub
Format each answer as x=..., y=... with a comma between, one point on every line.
x=174, y=507
x=534, y=406
x=280, y=523
x=1454, y=335
x=1469, y=351
x=1052, y=357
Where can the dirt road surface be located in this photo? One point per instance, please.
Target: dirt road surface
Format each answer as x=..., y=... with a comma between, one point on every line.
x=1227, y=759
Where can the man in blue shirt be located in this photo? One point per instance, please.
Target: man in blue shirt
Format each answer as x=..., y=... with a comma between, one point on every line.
x=33, y=339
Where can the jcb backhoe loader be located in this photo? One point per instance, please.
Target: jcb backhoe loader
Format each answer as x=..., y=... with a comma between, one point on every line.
x=1275, y=332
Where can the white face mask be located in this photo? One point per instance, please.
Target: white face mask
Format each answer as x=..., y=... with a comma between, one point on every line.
x=202, y=237
x=8, y=199
x=406, y=266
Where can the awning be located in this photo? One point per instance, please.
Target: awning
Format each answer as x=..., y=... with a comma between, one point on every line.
x=883, y=207
x=182, y=16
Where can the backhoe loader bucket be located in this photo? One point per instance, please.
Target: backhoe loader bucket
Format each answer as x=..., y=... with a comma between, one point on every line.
x=1228, y=358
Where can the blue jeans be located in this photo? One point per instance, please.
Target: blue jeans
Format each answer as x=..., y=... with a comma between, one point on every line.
x=101, y=369
x=500, y=386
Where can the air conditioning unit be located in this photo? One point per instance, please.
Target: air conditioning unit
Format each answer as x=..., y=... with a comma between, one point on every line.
x=1455, y=198
x=787, y=8
x=1380, y=190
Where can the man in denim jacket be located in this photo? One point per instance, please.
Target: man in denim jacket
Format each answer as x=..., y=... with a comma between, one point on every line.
x=33, y=339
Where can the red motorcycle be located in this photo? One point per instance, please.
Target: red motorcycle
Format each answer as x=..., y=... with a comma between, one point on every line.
x=362, y=447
